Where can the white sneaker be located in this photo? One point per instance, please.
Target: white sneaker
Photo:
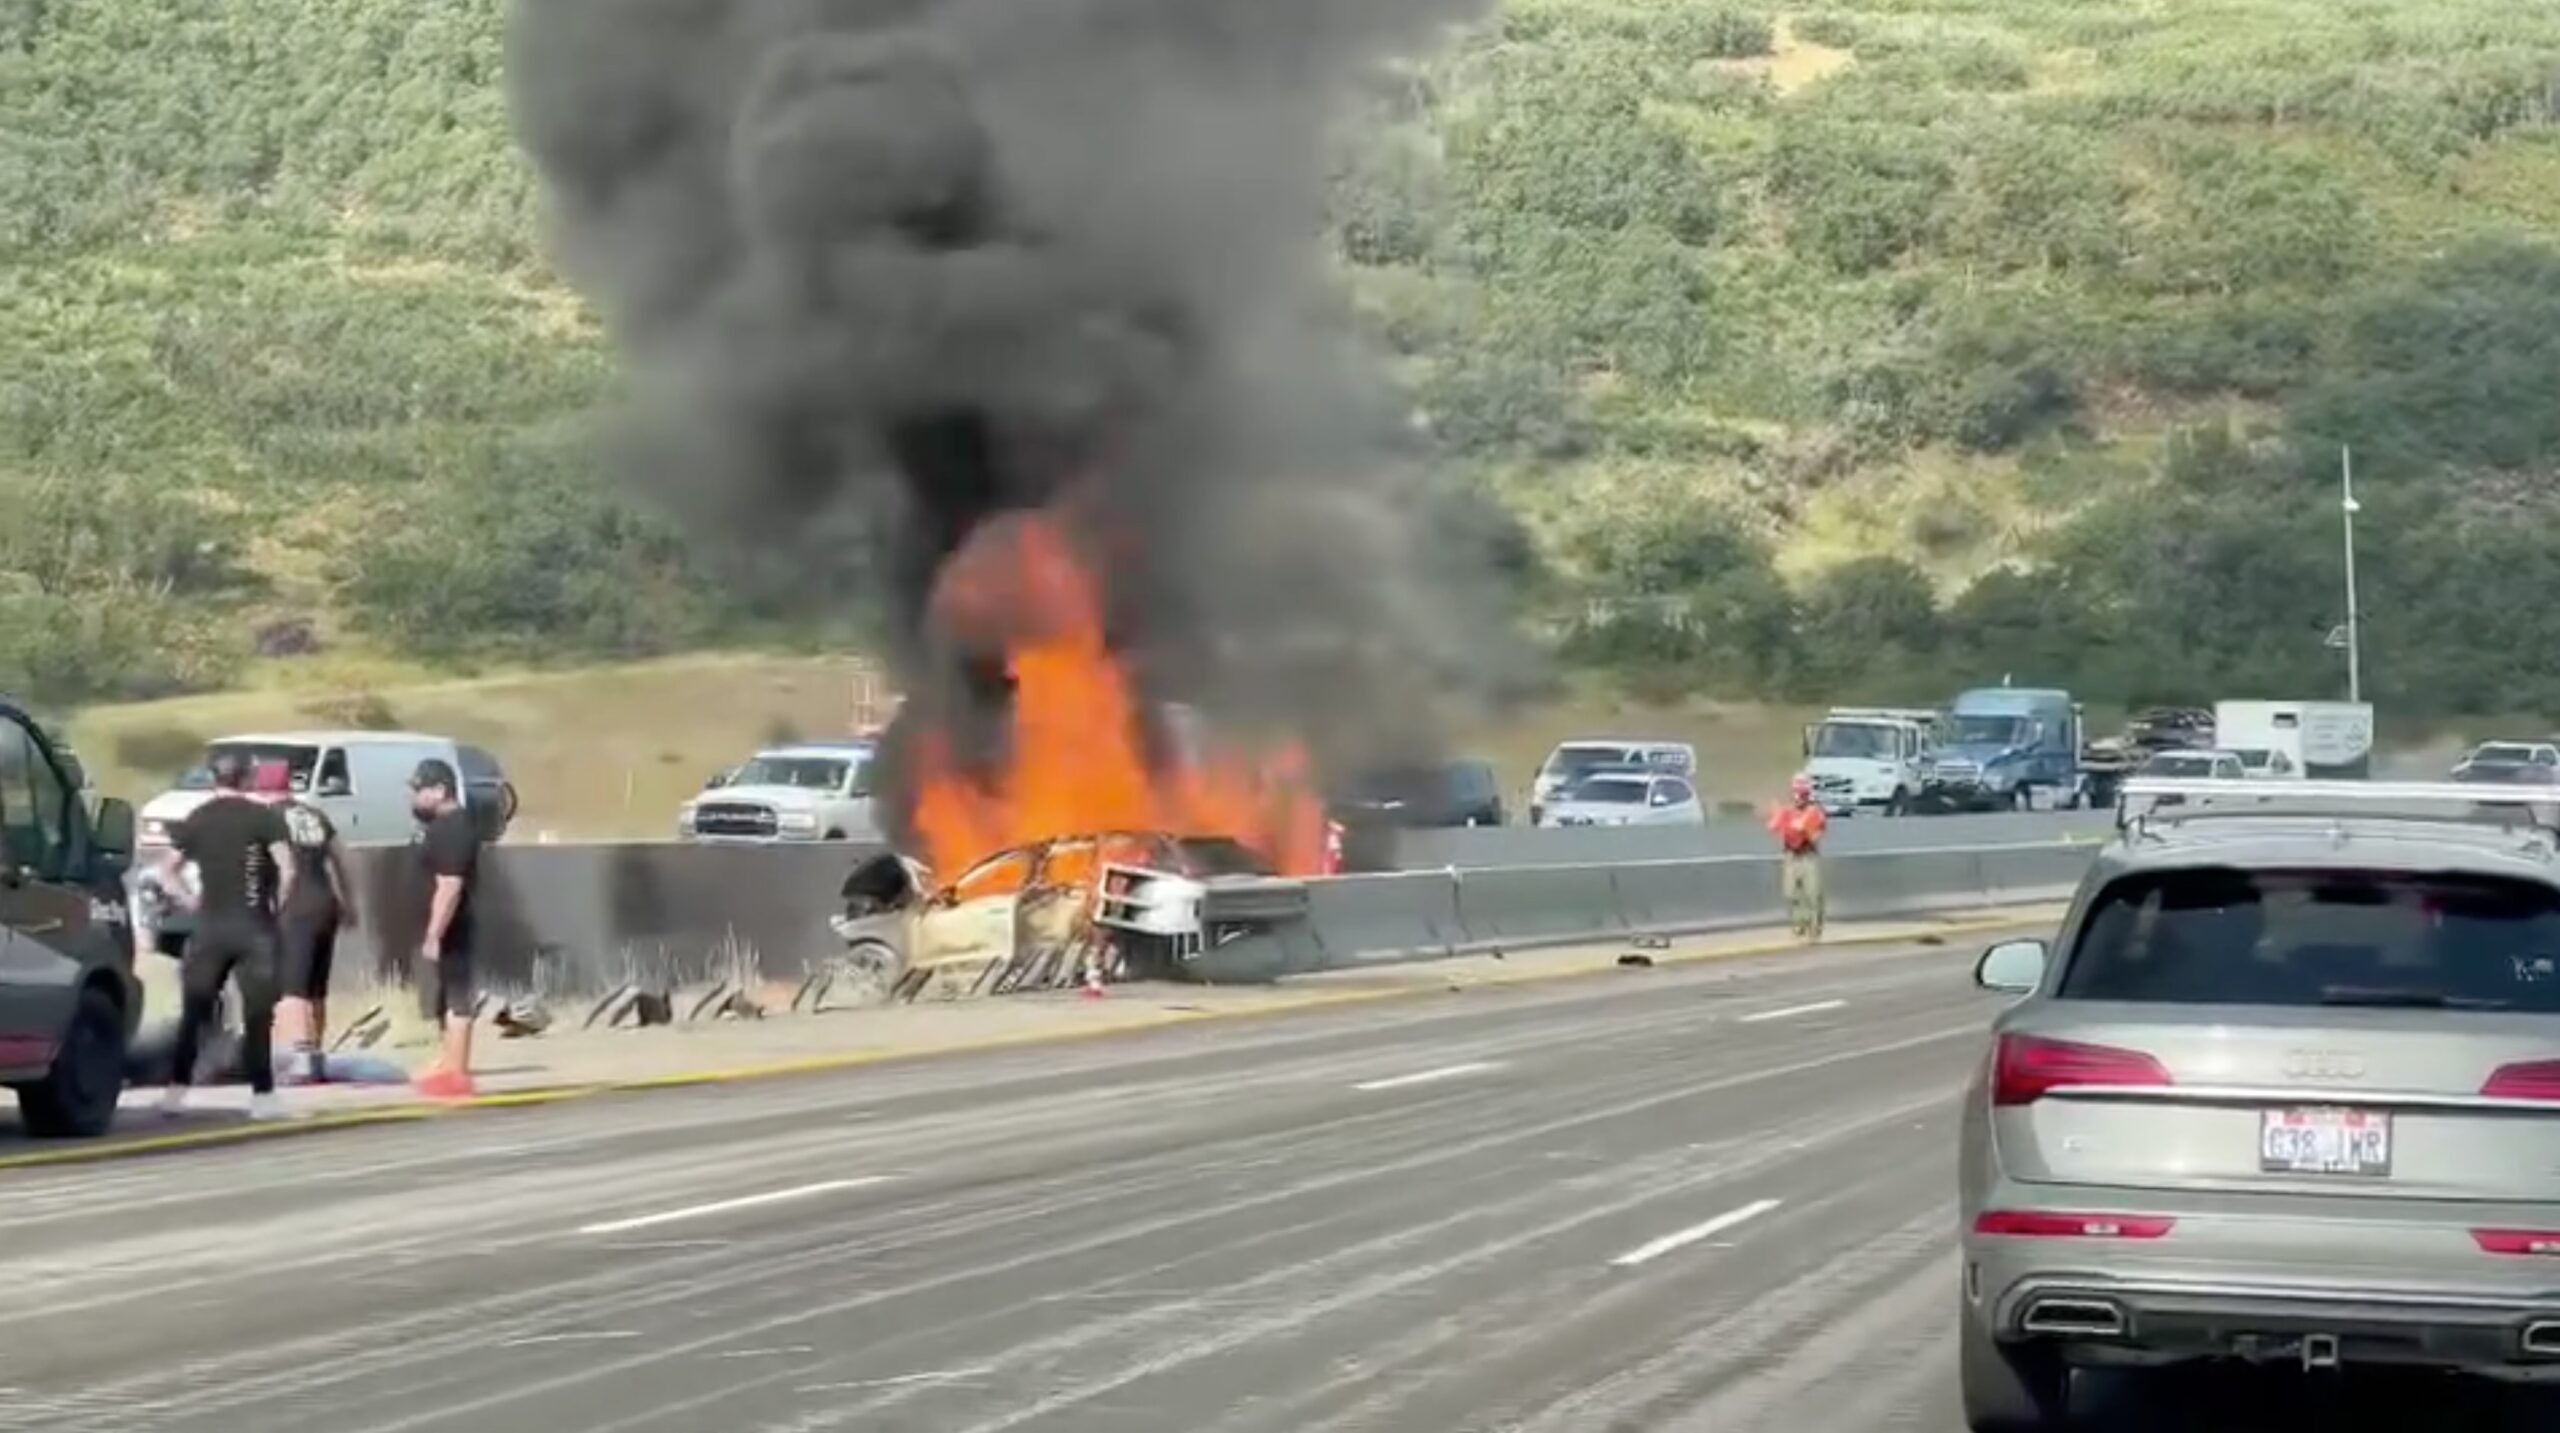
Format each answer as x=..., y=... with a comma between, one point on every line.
x=173, y=1101
x=269, y=1106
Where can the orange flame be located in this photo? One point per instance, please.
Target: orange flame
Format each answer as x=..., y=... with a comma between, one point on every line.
x=1075, y=763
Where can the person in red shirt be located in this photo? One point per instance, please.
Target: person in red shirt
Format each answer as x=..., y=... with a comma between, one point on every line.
x=1799, y=826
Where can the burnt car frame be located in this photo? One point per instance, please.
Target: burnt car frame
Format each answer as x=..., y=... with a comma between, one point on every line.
x=1108, y=906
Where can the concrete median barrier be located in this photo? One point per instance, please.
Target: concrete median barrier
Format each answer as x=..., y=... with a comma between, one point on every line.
x=1357, y=917
x=1538, y=905
x=1670, y=897
x=574, y=922
x=1476, y=848
x=1862, y=887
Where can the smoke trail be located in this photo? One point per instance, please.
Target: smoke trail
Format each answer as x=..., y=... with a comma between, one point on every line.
x=884, y=268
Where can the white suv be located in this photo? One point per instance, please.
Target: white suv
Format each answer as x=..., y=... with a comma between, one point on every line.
x=813, y=791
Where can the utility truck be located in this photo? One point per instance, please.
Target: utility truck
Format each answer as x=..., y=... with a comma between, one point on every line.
x=1870, y=758
x=2314, y=741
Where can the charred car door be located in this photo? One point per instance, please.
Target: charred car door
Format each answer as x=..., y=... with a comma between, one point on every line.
x=972, y=919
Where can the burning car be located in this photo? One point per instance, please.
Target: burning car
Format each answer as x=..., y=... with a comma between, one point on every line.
x=1055, y=913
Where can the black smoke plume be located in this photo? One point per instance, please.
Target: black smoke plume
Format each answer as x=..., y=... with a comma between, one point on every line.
x=884, y=269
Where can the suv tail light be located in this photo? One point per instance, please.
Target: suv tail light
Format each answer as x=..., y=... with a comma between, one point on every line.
x=2026, y=1068
x=2530, y=1243
x=2017, y=1224
x=2534, y=1080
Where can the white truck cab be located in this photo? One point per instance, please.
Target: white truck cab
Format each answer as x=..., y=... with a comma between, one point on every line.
x=810, y=791
x=1870, y=758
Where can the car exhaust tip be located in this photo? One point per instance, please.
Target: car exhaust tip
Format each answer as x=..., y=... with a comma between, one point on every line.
x=2075, y=1318
x=2542, y=1339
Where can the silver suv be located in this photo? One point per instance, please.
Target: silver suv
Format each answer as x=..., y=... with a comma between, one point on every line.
x=2285, y=1091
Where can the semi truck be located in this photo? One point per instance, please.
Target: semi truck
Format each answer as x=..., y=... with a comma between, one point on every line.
x=2011, y=748
x=1870, y=758
x=2315, y=741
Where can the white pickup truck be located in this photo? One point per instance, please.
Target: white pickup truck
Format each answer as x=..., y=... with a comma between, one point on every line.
x=811, y=791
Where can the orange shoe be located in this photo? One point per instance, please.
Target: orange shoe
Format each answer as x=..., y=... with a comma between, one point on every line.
x=445, y=1085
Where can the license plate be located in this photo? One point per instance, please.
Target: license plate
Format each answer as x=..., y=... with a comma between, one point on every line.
x=2348, y=1142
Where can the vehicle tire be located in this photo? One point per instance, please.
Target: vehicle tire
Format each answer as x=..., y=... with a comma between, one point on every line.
x=2010, y=1388
x=78, y=1099
x=1898, y=804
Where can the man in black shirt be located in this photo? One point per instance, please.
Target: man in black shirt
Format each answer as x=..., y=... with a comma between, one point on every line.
x=448, y=863
x=244, y=874
x=323, y=903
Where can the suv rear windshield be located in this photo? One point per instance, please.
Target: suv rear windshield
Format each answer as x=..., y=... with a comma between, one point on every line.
x=2408, y=939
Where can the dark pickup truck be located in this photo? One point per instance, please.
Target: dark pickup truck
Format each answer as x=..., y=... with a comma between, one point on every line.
x=68, y=1000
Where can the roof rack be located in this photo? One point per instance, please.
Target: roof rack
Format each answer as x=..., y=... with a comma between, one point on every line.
x=2140, y=800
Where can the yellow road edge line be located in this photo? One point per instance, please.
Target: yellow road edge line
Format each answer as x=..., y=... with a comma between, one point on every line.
x=1155, y=1018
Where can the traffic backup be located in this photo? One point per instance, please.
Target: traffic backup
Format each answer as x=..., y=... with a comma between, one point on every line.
x=2285, y=1090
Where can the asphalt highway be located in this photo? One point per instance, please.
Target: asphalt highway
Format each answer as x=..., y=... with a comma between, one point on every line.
x=1714, y=1198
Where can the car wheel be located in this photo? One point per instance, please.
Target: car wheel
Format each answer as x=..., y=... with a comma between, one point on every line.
x=78, y=1099
x=1898, y=804
x=2010, y=1388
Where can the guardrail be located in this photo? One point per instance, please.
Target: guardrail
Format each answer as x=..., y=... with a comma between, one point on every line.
x=1471, y=847
x=575, y=921
x=1354, y=921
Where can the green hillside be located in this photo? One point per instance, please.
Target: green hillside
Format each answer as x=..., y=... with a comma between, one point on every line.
x=1820, y=351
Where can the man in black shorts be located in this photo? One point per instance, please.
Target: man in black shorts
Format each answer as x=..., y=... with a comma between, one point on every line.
x=323, y=904
x=448, y=864
x=244, y=872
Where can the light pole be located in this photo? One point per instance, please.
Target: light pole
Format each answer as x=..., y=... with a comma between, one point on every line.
x=2347, y=522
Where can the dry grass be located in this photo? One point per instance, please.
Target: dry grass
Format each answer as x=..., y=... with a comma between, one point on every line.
x=1796, y=64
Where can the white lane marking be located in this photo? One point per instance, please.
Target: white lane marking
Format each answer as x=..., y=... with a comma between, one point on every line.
x=599, y=1336
x=1426, y=1077
x=751, y=1201
x=1815, y=1008
x=944, y=1375
x=1694, y=1233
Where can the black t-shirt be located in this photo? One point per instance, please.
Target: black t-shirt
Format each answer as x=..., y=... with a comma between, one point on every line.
x=231, y=840
x=449, y=845
x=315, y=891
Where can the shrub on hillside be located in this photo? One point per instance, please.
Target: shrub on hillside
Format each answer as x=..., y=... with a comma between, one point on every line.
x=526, y=555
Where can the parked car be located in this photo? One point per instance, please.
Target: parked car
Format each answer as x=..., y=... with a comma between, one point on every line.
x=1573, y=760
x=2170, y=729
x=2517, y=763
x=2195, y=766
x=2283, y=1089
x=69, y=1004
x=1450, y=793
x=1627, y=796
x=810, y=791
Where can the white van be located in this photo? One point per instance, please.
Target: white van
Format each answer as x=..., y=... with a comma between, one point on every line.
x=360, y=779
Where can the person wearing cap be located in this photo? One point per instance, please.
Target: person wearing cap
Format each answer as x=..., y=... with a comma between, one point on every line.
x=1799, y=827
x=244, y=875
x=323, y=904
x=448, y=864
